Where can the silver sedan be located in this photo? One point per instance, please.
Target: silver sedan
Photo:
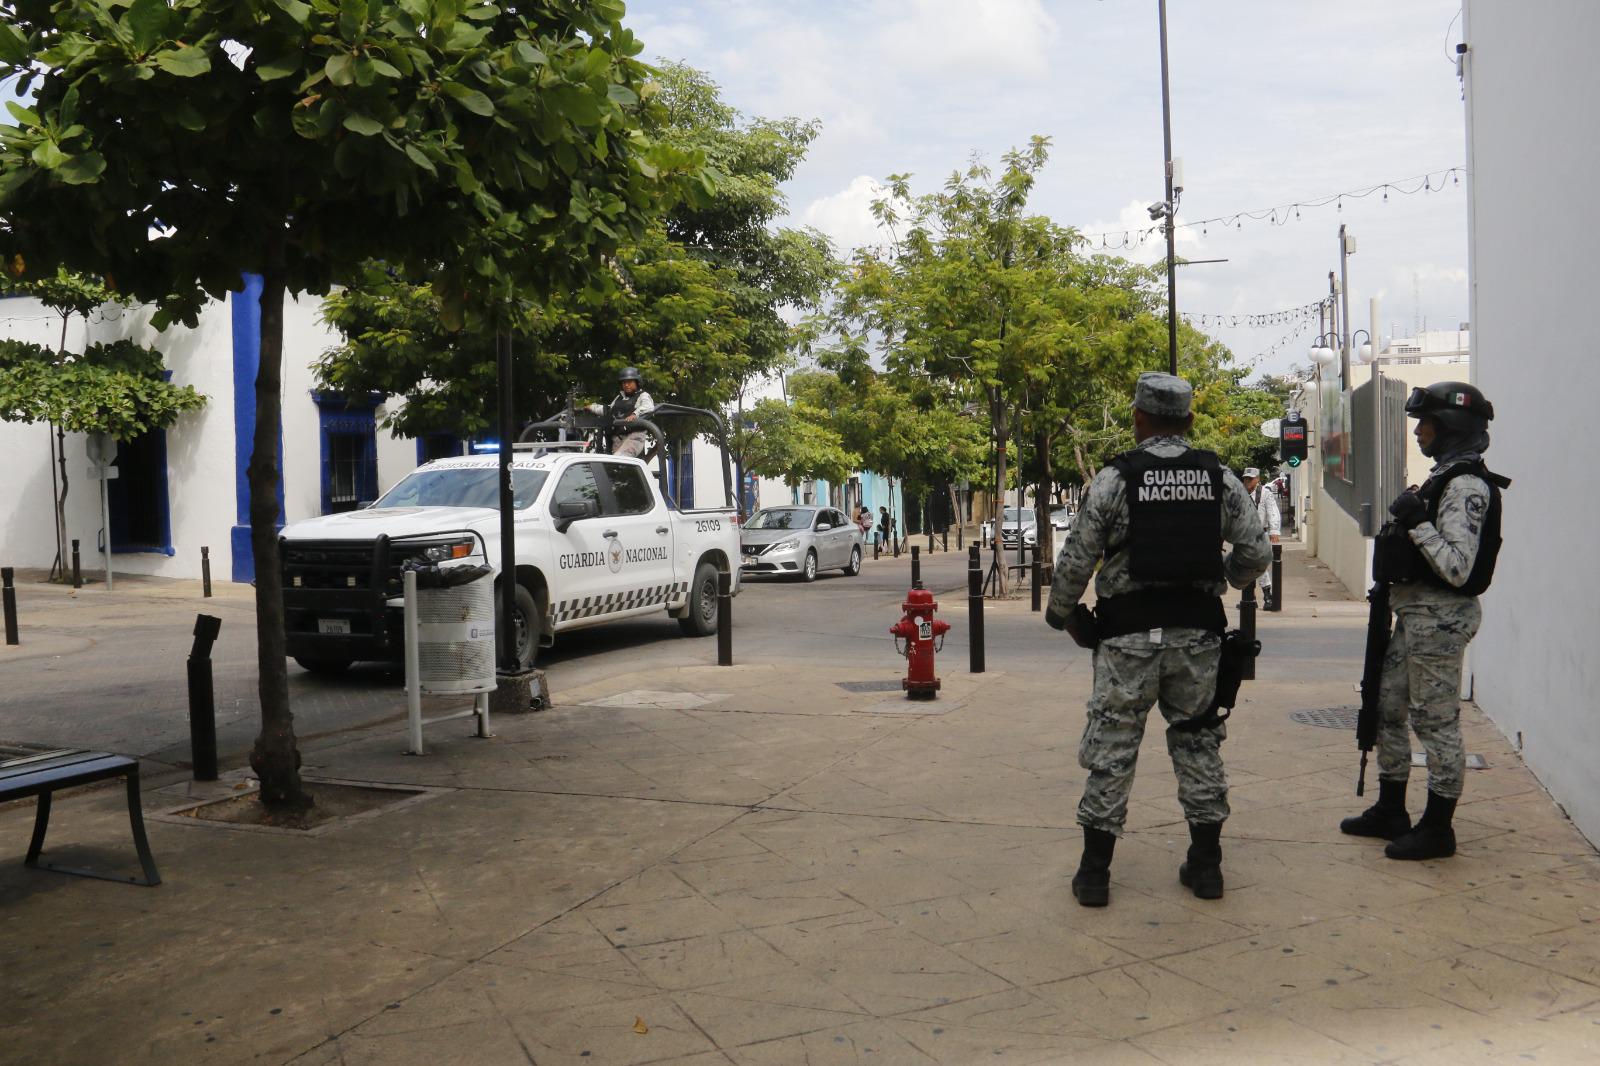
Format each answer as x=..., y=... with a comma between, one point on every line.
x=800, y=541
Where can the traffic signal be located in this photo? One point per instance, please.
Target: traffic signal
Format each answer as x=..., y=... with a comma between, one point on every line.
x=1292, y=438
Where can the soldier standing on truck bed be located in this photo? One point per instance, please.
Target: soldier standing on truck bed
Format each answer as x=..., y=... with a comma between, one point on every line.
x=631, y=403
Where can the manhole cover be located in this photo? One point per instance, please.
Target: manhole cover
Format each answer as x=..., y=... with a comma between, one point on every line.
x=1328, y=717
x=869, y=686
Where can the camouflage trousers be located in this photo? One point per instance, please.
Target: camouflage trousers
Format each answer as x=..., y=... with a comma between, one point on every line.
x=1130, y=676
x=633, y=444
x=1421, y=684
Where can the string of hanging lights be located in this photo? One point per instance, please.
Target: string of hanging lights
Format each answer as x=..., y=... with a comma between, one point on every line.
x=1279, y=215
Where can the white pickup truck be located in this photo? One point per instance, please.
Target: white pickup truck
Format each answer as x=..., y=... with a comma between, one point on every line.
x=595, y=542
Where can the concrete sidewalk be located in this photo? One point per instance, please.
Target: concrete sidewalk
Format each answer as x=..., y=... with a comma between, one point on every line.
x=758, y=864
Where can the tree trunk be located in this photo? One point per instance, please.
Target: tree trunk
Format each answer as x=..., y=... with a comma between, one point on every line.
x=1043, y=497
x=61, y=505
x=275, y=757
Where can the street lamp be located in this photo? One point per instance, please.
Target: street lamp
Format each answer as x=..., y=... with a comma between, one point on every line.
x=1366, y=353
x=1322, y=349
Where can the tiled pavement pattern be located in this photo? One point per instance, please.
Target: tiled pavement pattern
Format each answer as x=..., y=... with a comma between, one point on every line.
x=780, y=876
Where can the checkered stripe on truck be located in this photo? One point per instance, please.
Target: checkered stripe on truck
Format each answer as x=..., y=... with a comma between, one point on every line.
x=589, y=606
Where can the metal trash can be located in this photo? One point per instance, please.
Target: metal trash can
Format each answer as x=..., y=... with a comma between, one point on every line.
x=455, y=630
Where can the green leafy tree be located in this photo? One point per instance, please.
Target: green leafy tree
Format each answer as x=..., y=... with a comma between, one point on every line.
x=493, y=151
x=117, y=388
x=794, y=442
x=694, y=301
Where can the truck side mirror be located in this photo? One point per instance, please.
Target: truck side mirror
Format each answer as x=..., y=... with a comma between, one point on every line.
x=570, y=511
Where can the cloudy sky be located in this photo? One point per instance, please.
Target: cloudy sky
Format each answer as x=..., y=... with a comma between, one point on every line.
x=1272, y=102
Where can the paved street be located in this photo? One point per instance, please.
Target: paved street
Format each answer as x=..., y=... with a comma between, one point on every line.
x=687, y=863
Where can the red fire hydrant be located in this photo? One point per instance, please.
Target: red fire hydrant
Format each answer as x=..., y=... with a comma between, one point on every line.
x=919, y=629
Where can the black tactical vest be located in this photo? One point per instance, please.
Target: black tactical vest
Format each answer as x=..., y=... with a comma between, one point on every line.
x=1174, y=516
x=623, y=406
x=1399, y=561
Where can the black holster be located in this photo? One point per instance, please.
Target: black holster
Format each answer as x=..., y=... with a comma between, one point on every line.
x=1082, y=628
x=1235, y=655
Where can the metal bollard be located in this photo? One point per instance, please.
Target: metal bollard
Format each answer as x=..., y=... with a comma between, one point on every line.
x=1275, y=601
x=1247, y=626
x=894, y=542
x=8, y=580
x=202, y=705
x=77, y=568
x=1035, y=577
x=975, y=608
x=877, y=543
x=724, y=618
x=944, y=539
x=916, y=567
x=205, y=572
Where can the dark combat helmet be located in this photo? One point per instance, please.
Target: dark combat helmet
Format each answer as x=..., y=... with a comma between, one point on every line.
x=629, y=373
x=1457, y=406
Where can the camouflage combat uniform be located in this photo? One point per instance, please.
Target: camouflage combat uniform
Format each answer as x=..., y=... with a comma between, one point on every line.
x=1175, y=668
x=1433, y=625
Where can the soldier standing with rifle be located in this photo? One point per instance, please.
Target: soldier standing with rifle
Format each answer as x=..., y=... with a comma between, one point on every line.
x=1430, y=564
x=1158, y=516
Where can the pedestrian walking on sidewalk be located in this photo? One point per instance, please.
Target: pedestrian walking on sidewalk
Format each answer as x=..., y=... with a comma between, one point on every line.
x=1157, y=517
x=1266, y=501
x=1437, y=556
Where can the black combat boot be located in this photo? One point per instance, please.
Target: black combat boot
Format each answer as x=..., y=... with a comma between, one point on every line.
x=1202, y=873
x=1432, y=838
x=1091, y=885
x=1387, y=818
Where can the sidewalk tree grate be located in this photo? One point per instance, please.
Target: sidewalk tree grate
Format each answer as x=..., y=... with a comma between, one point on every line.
x=1328, y=717
x=869, y=686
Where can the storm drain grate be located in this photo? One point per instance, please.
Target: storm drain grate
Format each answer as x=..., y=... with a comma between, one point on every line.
x=1328, y=717
x=869, y=686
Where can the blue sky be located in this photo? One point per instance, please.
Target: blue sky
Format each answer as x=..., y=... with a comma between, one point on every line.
x=1273, y=101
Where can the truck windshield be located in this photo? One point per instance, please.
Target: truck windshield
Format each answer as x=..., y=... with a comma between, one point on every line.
x=463, y=486
x=782, y=518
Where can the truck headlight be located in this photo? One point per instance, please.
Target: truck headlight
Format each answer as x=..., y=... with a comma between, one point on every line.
x=439, y=553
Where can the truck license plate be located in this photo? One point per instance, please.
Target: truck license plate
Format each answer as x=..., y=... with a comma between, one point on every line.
x=340, y=626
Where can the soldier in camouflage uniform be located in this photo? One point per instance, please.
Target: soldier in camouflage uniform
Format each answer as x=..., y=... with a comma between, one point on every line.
x=1437, y=555
x=1158, y=517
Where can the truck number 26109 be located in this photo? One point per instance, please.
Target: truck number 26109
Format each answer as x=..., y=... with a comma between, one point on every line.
x=708, y=525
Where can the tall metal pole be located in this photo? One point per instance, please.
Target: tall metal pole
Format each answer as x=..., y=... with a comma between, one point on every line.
x=1166, y=142
x=508, y=547
x=1344, y=313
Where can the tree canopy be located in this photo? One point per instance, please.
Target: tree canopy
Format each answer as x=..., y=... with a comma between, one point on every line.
x=169, y=148
x=695, y=300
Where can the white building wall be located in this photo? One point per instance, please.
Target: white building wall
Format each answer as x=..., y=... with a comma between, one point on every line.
x=1531, y=84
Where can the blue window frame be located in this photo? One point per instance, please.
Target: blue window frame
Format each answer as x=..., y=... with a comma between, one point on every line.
x=141, y=515
x=680, y=476
x=349, y=434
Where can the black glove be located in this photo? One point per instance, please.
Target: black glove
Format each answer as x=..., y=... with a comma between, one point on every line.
x=1055, y=620
x=1409, y=510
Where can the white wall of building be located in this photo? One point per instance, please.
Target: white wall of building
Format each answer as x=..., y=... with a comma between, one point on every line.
x=1531, y=84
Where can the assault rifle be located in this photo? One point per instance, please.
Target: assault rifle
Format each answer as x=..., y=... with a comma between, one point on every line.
x=1372, y=675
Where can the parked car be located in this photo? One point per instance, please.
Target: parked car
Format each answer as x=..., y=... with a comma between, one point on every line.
x=800, y=541
x=1060, y=518
x=1014, y=519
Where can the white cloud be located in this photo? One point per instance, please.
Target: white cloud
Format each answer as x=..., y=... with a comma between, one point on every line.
x=846, y=216
x=1006, y=38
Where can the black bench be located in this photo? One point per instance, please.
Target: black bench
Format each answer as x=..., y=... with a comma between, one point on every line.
x=42, y=774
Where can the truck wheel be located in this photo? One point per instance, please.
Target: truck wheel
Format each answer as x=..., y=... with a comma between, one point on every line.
x=855, y=561
x=325, y=667
x=527, y=633
x=701, y=621
x=808, y=570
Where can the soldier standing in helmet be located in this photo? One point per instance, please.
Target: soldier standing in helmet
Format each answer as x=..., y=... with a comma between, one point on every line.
x=1158, y=515
x=1437, y=556
x=631, y=403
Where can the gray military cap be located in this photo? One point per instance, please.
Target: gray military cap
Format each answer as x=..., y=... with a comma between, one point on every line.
x=1163, y=395
x=1250, y=471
